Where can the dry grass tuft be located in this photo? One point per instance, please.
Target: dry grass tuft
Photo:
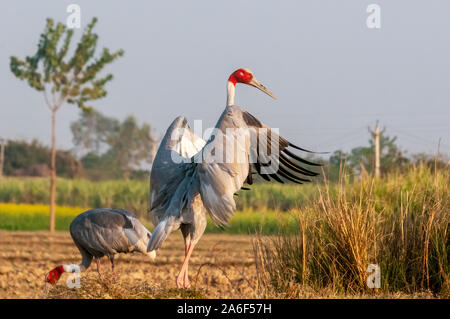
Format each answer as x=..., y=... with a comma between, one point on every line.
x=399, y=222
x=107, y=287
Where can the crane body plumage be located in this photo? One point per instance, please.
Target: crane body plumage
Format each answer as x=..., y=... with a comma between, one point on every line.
x=104, y=232
x=188, y=181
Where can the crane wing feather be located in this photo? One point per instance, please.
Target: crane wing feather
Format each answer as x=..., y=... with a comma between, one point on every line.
x=169, y=167
x=220, y=180
x=211, y=170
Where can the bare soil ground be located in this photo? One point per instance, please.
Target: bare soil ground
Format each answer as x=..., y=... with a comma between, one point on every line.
x=221, y=266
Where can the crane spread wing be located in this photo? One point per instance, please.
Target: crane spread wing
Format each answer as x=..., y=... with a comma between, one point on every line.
x=169, y=167
x=219, y=180
x=186, y=167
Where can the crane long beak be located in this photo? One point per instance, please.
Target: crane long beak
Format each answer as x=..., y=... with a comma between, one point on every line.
x=254, y=82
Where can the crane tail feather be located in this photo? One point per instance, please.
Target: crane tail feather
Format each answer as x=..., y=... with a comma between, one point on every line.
x=158, y=237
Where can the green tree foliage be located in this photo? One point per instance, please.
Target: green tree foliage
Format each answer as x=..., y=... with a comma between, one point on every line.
x=335, y=164
x=113, y=149
x=361, y=159
x=31, y=159
x=391, y=156
x=133, y=145
x=73, y=80
x=93, y=132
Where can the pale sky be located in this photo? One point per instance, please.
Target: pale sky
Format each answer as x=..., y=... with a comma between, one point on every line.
x=332, y=74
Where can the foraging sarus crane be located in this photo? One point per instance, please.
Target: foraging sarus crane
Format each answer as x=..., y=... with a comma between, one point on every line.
x=187, y=180
x=104, y=232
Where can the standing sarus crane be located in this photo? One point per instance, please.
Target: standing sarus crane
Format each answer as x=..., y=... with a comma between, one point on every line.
x=188, y=179
x=104, y=232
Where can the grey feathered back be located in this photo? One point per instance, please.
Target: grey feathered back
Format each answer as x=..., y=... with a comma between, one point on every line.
x=105, y=232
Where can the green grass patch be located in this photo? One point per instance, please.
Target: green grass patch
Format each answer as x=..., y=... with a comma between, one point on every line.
x=133, y=195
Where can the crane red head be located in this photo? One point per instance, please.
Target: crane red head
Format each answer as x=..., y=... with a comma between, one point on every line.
x=53, y=275
x=245, y=76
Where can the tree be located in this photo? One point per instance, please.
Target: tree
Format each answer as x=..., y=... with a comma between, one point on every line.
x=334, y=168
x=24, y=158
x=112, y=148
x=391, y=156
x=133, y=145
x=93, y=131
x=73, y=81
x=362, y=158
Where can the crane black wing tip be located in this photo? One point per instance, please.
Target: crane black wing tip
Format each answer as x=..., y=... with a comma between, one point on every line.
x=283, y=171
x=277, y=178
x=298, y=158
x=305, y=150
x=295, y=167
x=242, y=188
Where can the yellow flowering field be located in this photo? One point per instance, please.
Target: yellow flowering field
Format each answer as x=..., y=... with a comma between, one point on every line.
x=35, y=216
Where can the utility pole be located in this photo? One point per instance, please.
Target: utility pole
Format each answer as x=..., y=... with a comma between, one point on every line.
x=2, y=155
x=377, y=151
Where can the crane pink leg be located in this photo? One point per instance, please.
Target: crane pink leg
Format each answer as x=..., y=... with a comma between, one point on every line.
x=97, y=260
x=183, y=277
x=112, y=264
x=187, y=284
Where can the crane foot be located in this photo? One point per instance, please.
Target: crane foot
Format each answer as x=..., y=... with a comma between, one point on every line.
x=183, y=281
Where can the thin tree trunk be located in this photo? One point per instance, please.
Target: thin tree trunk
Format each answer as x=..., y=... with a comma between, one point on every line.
x=53, y=175
x=2, y=156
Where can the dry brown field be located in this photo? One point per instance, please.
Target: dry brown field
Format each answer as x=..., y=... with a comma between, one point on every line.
x=221, y=266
